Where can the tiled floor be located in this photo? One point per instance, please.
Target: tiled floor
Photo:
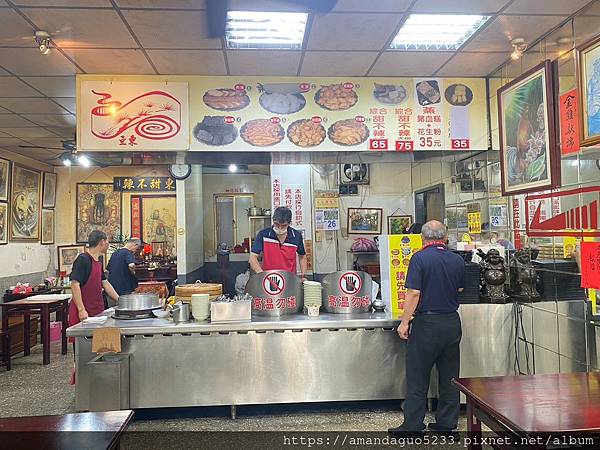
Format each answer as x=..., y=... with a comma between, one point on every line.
x=33, y=389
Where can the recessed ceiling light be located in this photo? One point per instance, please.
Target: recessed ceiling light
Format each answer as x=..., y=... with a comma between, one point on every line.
x=437, y=31
x=277, y=30
x=233, y=168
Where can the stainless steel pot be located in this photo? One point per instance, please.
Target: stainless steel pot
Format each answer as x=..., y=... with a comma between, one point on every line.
x=255, y=211
x=347, y=292
x=275, y=293
x=138, y=302
x=266, y=212
x=181, y=313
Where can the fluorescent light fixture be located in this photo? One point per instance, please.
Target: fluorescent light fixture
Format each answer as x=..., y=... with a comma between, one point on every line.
x=276, y=30
x=84, y=160
x=437, y=31
x=233, y=168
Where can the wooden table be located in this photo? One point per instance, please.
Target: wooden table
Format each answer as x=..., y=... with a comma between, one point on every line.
x=42, y=306
x=97, y=430
x=533, y=407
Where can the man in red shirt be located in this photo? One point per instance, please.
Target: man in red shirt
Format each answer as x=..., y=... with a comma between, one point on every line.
x=88, y=280
x=279, y=246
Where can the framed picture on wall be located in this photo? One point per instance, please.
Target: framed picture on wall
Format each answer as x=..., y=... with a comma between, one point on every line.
x=67, y=255
x=98, y=207
x=588, y=76
x=3, y=223
x=398, y=224
x=529, y=159
x=364, y=220
x=25, y=195
x=47, y=226
x=49, y=191
x=4, y=176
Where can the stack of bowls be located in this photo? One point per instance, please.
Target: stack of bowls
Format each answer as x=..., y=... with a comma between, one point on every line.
x=312, y=293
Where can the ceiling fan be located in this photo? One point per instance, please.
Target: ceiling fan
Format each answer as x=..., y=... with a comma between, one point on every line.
x=70, y=157
x=216, y=12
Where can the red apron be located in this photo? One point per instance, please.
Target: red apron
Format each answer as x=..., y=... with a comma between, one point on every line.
x=91, y=294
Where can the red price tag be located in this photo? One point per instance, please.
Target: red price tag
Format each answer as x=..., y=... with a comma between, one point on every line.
x=316, y=119
x=378, y=144
x=229, y=119
x=304, y=87
x=405, y=146
x=459, y=144
x=275, y=120
x=348, y=85
x=360, y=119
x=240, y=87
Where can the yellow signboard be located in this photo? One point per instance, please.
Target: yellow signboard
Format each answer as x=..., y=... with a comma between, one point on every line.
x=474, y=220
x=328, y=199
x=325, y=114
x=401, y=248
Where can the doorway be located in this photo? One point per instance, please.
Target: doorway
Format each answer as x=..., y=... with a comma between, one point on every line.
x=430, y=204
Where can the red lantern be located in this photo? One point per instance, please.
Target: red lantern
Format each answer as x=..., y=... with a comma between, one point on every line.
x=147, y=249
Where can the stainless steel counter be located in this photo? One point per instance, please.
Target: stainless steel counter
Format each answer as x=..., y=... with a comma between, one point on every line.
x=280, y=360
x=291, y=322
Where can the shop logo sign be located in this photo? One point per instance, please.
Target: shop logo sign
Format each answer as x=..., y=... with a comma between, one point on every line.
x=580, y=221
x=273, y=284
x=350, y=283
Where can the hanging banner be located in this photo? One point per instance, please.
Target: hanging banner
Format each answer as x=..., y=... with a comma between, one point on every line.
x=569, y=123
x=136, y=217
x=590, y=265
x=401, y=247
x=132, y=116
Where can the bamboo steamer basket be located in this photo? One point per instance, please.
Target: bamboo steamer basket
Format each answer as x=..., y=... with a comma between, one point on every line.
x=185, y=291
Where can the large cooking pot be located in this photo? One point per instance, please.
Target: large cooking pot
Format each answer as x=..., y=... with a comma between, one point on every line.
x=138, y=302
x=275, y=293
x=347, y=292
x=255, y=211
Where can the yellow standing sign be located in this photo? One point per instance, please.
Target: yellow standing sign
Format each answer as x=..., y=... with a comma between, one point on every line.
x=401, y=248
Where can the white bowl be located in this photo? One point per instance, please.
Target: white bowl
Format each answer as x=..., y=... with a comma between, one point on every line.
x=160, y=313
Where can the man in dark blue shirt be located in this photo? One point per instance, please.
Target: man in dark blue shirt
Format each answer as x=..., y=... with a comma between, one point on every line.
x=121, y=268
x=435, y=277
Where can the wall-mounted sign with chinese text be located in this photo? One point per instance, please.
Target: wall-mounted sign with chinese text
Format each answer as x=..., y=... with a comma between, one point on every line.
x=590, y=265
x=144, y=184
x=569, y=123
x=132, y=116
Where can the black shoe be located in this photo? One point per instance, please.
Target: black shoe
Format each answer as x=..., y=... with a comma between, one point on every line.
x=441, y=430
x=400, y=432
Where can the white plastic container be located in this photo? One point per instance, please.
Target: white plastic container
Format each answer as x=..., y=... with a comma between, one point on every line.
x=200, y=306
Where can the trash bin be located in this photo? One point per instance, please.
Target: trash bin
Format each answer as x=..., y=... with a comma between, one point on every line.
x=109, y=382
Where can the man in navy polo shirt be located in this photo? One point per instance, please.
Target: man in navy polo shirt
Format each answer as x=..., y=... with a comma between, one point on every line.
x=279, y=245
x=435, y=277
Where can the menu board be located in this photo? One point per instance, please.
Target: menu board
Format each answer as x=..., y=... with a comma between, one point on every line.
x=331, y=114
x=292, y=114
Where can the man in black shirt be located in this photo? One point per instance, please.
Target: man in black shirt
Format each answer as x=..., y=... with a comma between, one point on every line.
x=435, y=277
x=121, y=268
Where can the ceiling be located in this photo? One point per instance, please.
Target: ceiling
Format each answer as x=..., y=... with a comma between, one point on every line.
x=37, y=92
